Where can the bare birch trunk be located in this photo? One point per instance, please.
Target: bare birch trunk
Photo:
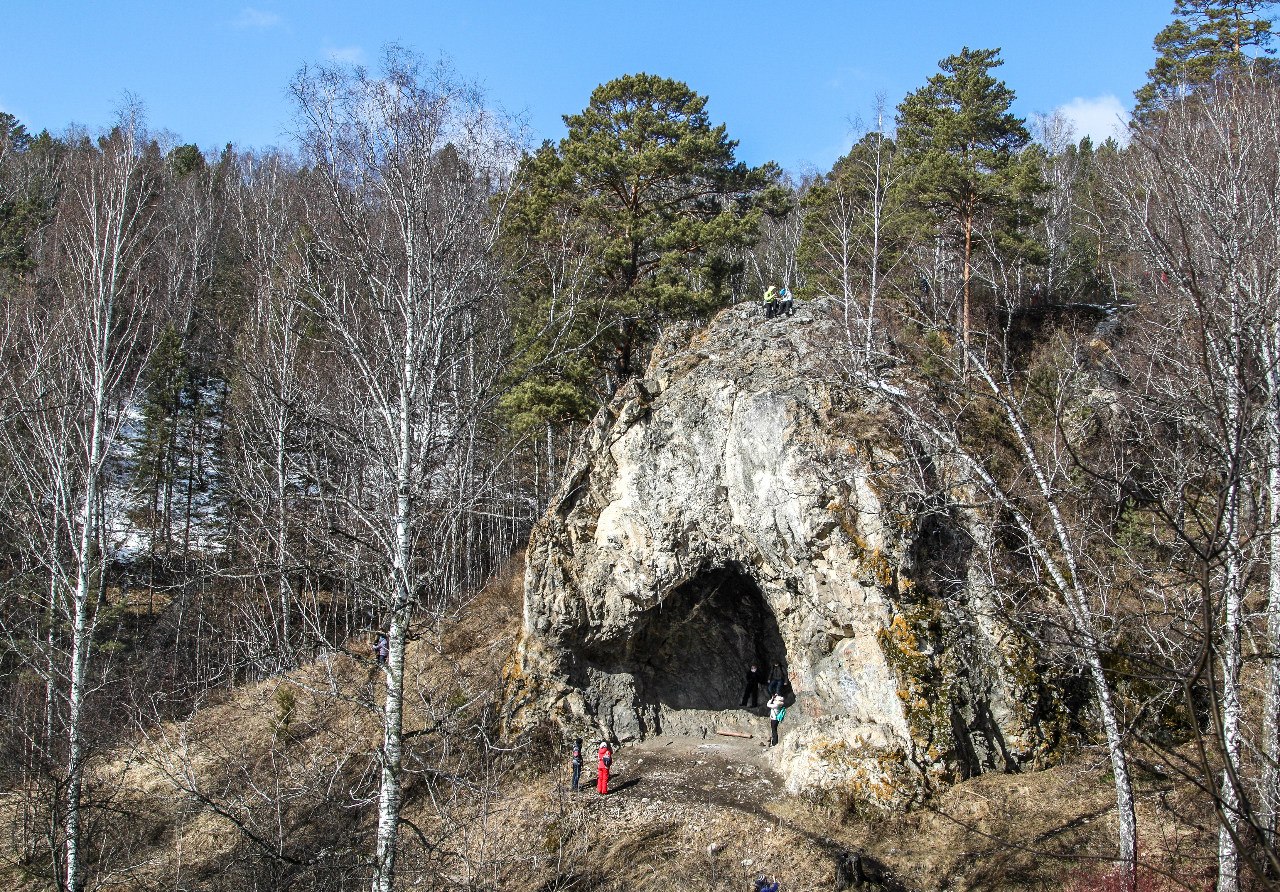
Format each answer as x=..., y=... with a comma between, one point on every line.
x=405, y=266
x=81, y=637
x=1077, y=600
x=1270, y=804
x=1233, y=599
x=284, y=592
x=107, y=244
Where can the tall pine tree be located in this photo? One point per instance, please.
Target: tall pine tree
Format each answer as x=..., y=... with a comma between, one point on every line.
x=962, y=151
x=1205, y=38
x=632, y=220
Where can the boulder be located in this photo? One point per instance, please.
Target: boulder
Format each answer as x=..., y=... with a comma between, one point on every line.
x=748, y=501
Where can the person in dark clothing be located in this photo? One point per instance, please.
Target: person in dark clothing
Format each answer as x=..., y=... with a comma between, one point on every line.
x=776, y=679
x=575, y=759
x=752, y=690
x=381, y=648
x=764, y=885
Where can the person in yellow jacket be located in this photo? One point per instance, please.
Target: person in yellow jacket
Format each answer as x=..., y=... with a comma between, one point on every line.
x=770, y=302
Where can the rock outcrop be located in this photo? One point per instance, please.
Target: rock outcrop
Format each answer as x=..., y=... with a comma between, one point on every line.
x=743, y=503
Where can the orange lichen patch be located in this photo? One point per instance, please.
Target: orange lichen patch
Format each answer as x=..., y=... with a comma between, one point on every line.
x=873, y=779
x=925, y=691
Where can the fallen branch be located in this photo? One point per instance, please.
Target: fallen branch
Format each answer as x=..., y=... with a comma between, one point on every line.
x=724, y=733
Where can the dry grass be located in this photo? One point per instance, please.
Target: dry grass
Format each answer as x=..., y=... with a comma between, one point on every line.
x=272, y=788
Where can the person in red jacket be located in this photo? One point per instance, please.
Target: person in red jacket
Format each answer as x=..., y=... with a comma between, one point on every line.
x=603, y=765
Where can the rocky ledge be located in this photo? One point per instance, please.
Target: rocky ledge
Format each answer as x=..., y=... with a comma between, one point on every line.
x=745, y=502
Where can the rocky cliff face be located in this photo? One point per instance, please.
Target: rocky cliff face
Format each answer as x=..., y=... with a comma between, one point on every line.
x=740, y=504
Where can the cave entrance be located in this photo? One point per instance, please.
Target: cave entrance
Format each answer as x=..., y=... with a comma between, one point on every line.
x=693, y=650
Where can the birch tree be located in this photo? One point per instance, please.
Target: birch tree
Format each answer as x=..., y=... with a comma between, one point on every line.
x=775, y=258
x=270, y=403
x=83, y=345
x=852, y=241
x=1200, y=205
x=1025, y=471
x=409, y=167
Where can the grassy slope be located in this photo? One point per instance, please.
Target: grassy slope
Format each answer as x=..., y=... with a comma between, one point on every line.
x=272, y=788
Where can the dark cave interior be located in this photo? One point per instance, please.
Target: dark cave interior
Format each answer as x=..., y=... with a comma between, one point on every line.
x=693, y=650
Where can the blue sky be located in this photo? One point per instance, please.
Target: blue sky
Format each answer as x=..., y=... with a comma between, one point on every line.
x=787, y=78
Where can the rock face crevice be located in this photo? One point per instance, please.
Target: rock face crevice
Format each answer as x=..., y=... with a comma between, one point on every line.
x=741, y=503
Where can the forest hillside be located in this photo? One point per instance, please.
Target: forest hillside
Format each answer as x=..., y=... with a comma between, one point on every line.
x=344, y=485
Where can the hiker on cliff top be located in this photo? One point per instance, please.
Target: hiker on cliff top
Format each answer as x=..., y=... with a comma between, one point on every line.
x=752, y=691
x=786, y=306
x=770, y=302
x=603, y=764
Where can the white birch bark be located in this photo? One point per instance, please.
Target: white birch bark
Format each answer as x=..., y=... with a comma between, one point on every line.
x=1199, y=195
x=83, y=345
x=410, y=164
x=1270, y=804
x=1064, y=568
x=108, y=239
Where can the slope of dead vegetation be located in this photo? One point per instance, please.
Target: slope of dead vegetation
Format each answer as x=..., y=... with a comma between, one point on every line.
x=275, y=787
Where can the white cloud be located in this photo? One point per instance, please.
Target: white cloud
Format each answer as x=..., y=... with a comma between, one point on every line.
x=1097, y=118
x=352, y=55
x=256, y=19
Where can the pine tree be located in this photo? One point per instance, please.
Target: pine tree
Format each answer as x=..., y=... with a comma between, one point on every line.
x=630, y=221
x=961, y=147
x=1205, y=38
x=25, y=186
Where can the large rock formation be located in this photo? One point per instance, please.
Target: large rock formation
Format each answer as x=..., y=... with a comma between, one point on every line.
x=741, y=503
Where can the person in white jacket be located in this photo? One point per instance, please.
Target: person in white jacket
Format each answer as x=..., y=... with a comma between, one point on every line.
x=777, y=710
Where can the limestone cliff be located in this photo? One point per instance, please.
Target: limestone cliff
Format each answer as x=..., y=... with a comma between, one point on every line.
x=741, y=504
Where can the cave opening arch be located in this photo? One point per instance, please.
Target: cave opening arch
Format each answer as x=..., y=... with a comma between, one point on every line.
x=693, y=650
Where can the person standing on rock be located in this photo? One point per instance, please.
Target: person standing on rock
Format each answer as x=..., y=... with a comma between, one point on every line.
x=777, y=712
x=603, y=764
x=770, y=302
x=752, y=690
x=575, y=760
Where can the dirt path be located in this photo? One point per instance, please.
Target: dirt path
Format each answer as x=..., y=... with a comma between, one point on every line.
x=700, y=813
x=724, y=771
x=720, y=798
